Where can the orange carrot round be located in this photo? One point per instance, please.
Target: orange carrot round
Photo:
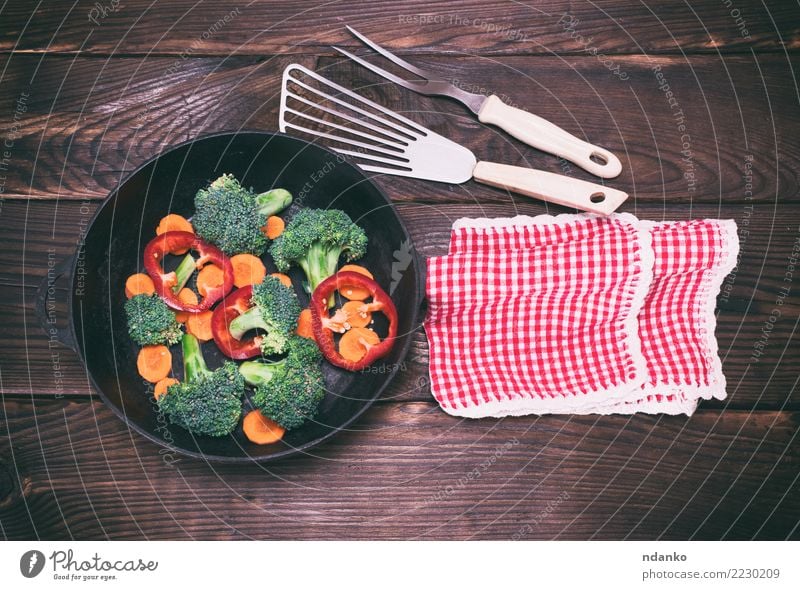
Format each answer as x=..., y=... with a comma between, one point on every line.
x=283, y=278
x=174, y=222
x=209, y=277
x=161, y=386
x=274, y=227
x=247, y=270
x=154, y=362
x=185, y=296
x=355, y=342
x=139, y=284
x=354, y=317
x=260, y=429
x=304, y=325
x=199, y=325
x=354, y=293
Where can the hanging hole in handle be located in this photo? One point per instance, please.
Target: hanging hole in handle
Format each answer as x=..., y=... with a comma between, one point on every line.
x=597, y=197
x=598, y=158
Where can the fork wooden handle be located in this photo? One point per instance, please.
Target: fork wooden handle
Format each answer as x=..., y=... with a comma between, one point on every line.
x=546, y=136
x=554, y=188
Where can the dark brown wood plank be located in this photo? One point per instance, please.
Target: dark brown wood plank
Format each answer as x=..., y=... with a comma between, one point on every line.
x=766, y=250
x=87, y=122
x=71, y=469
x=488, y=28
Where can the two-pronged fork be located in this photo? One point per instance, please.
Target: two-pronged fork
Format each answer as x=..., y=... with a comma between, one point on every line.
x=525, y=126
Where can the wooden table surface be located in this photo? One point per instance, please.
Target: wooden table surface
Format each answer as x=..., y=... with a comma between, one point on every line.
x=699, y=99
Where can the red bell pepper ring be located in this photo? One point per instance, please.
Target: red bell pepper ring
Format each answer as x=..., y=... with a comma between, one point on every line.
x=324, y=335
x=176, y=241
x=232, y=306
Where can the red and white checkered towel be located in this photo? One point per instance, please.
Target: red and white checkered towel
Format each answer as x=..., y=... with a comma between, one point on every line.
x=577, y=314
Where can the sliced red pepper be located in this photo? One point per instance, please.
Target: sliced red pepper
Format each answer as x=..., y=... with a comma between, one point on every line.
x=324, y=336
x=232, y=306
x=172, y=242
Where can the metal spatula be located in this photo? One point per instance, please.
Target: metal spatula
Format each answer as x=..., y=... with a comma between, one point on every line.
x=382, y=141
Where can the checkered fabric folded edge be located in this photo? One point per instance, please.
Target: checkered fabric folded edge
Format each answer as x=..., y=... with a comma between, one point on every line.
x=706, y=305
x=575, y=402
x=666, y=398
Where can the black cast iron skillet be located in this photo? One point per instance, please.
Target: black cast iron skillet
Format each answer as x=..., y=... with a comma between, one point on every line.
x=126, y=221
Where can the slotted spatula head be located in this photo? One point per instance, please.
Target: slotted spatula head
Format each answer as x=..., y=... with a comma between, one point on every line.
x=379, y=139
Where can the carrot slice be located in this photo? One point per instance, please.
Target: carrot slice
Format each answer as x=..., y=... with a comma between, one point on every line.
x=209, y=277
x=304, y=326
x=174, y=222
x=161, y=386
x=355, y=342
x=139, y=284
x=185, y=296
x=247, y=270
x=354, y=293
x=154, y=362
x=274, y=227
x=260, y=429
x=359, y=269
x=354, y=317
x=199, y=325
x=282, y=278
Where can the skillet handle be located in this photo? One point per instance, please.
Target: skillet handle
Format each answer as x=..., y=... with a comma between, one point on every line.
x=46, y=294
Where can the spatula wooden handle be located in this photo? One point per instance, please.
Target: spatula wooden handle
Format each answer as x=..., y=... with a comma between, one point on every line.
x=554, y=188
x=548, y=137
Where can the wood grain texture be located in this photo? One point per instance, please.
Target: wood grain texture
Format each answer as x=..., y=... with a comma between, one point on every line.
x=767, y=384
x=74, y=471
x=86, y=97
x=89, y=122
x=489, y=28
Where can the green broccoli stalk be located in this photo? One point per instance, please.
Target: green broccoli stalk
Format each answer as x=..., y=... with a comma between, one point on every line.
x=184, y=272
x=314, y=240
x=150, y=321
x=206, y=402
x=231, y=216
x=290, y=390
x=275, y=311
x=272, y=202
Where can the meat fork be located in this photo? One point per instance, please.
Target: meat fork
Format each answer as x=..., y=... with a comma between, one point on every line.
x=527, y=127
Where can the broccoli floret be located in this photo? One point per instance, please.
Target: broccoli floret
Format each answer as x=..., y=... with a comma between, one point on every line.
x=275, y=311
x=290, y=390
x=206, y=402
x=303, y=352
x=231, y=216
x=150, y=321
x=314, y=240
